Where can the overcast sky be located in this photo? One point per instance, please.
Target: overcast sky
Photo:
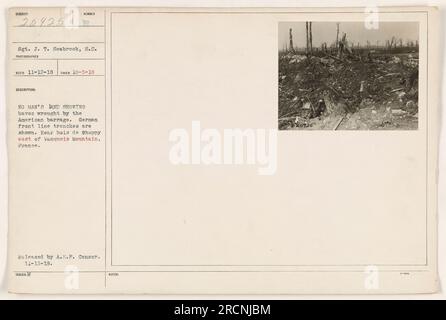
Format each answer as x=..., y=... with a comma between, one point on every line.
x=356, y=32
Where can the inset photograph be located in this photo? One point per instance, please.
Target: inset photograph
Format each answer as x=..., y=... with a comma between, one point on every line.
x=344, y=76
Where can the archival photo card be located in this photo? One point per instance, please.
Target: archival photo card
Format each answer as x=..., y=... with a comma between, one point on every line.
x=150, y=150
x=348, y=76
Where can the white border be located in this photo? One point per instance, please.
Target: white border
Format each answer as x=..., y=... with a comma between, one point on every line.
x=213, y=3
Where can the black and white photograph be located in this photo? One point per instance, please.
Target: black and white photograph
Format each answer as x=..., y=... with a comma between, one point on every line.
x=348, y=76
x=151, y=152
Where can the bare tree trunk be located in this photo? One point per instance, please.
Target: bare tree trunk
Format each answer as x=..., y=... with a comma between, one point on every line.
x=291, y=40
x=306, y=29
x=311, y=39
x=337, y=35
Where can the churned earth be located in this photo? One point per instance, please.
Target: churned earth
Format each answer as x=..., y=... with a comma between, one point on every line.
x=378, y=92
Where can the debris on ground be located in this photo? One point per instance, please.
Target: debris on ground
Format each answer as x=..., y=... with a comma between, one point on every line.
x=377, y=92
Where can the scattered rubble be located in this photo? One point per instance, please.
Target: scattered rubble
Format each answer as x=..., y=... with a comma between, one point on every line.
x=378, y=91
